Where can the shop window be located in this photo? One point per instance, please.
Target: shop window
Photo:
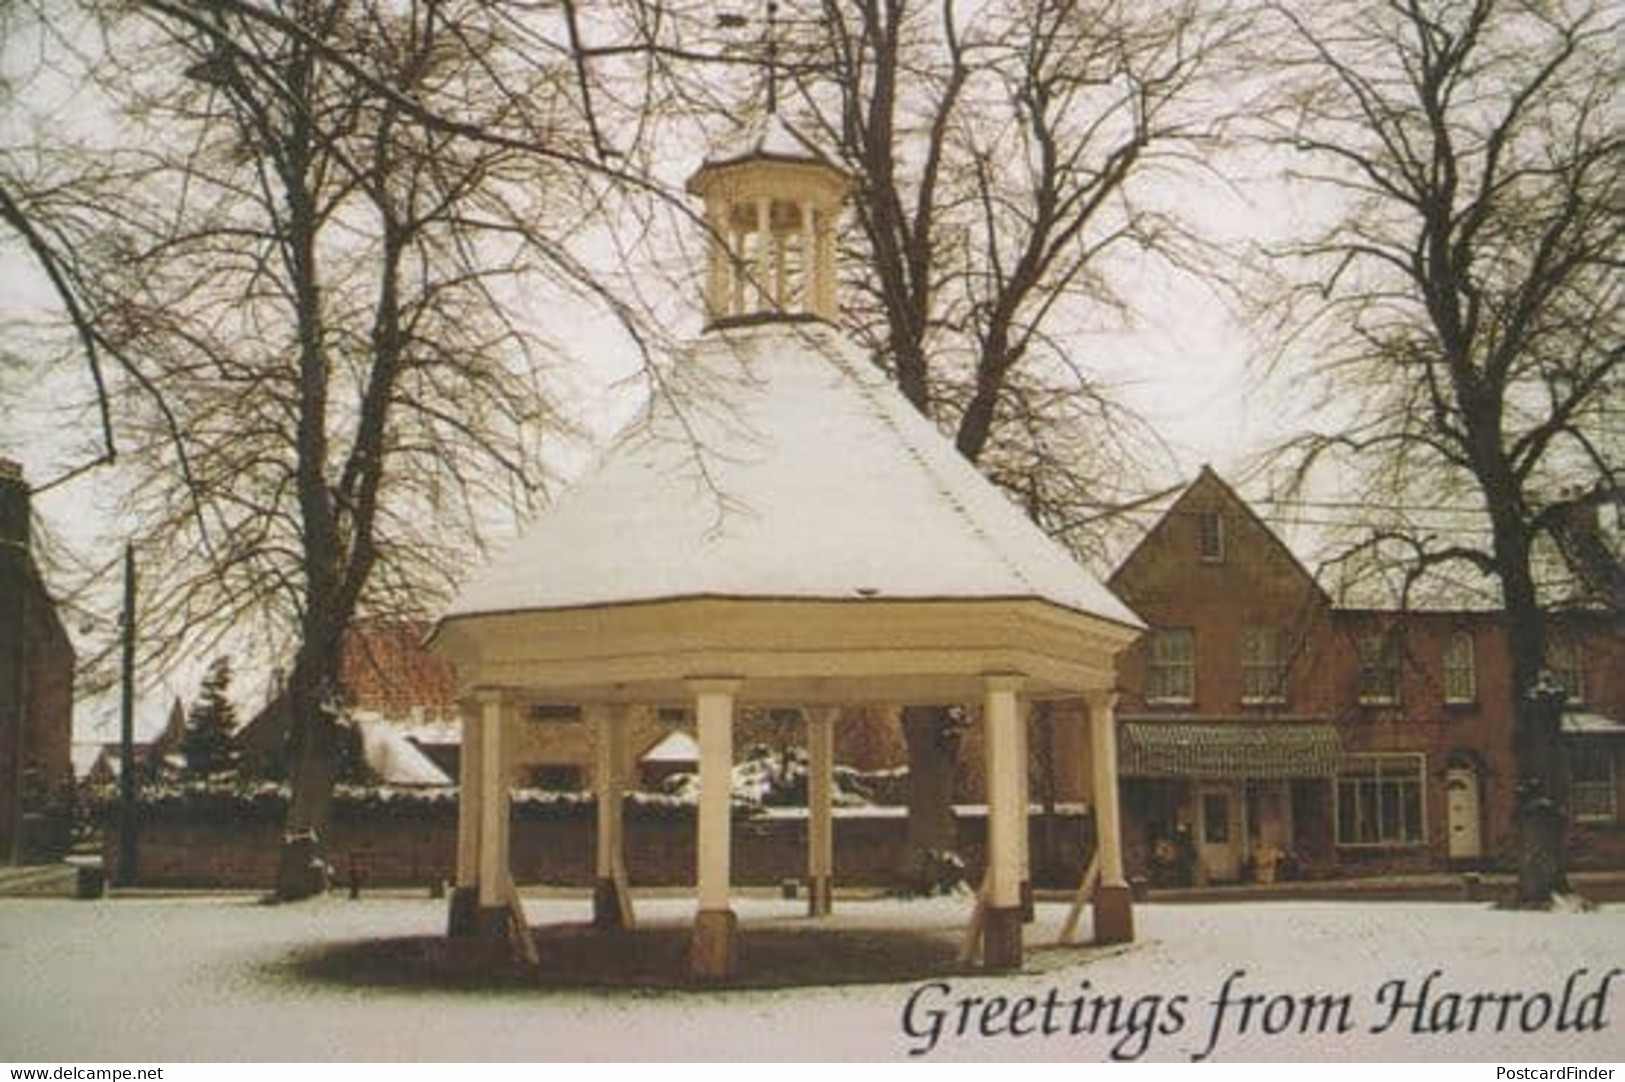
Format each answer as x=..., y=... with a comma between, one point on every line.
x=1379, y=801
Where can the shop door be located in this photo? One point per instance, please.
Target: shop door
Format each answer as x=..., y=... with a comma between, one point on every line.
x=1220, y=831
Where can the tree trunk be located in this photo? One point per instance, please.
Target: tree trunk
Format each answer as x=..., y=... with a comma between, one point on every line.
x=312, y=767
x=933, y=737
x=1541, y=789
x=1542, y=800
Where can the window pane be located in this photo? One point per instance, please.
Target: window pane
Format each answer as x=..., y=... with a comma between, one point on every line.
x=1263, y=665
x=1210, y=535
x=1460, y=679
x=1173, y=665
x=1379, y=667
x=1379, y=801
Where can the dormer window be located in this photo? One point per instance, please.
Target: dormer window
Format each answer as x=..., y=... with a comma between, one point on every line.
x=1210, y=537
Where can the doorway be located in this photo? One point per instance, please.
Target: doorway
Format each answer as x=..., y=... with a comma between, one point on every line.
x=1462, y=814
x=1221, y=830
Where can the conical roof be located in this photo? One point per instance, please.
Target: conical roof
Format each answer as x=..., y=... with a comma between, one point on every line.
x=780, y=464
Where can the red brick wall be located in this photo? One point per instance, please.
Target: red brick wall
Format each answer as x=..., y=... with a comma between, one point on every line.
x=1258, y=583
x=181, y=850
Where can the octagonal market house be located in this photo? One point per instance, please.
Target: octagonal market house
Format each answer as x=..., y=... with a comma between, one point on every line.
x=778, y=528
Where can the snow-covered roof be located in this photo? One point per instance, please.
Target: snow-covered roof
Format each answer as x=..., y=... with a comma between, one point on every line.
x=1586, y=723
x=675, y=747
x=766, y=137
x=781, y=464
x=395, y=759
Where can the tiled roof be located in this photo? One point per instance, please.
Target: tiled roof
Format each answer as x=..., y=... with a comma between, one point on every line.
x=384, y=667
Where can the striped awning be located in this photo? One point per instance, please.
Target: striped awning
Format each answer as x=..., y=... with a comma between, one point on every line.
x=1229, y=751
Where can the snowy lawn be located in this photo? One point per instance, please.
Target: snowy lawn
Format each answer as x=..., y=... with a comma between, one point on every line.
x=208, y=977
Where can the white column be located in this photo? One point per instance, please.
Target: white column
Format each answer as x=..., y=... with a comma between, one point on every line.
x=781, y=268
x=738, y=271
x=1023, y=734
x=820, y=805
x=763, y=268
x=809, y=259
x=718, y=263
x=825, y=275
x=493, y=865
x=714, y=713
x=608, y=769
x=1108, y=825
x=1006, y=818
x=468, y=797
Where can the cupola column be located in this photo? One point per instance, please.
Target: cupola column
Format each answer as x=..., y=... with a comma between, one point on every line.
x=771, y=210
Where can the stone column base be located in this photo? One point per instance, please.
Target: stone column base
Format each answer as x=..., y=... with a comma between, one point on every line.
x=1001, y=937
x=712, y=950
x=494, y=922
x=609, y=908
x=465, y=902
x=820, y=901
x=1114, y=914
x=1029, y=911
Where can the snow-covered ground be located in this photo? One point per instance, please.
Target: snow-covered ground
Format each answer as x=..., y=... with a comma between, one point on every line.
x=205, y=978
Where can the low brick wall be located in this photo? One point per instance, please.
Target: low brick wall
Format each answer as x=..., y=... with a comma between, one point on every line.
x=417, y=847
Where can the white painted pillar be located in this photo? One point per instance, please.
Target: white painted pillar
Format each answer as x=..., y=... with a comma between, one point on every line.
x=468, y=798
x=1006, y=817
x=609, y=725
x=1024, y=735
x=711, y=949
x=714, y=715
x=1114, y=917
x=820, y=808
x=1006, y=821
x=493, y=860
x=1103, y=743
x=611, y=901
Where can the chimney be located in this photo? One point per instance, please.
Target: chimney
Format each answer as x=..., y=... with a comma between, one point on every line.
x=14, y=503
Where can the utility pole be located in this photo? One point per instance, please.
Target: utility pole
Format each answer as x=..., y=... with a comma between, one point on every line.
x=127, y=832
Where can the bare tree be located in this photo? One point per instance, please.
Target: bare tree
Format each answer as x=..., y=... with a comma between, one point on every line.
x=1463, y=302
x=1007, y=158
x=313, y=281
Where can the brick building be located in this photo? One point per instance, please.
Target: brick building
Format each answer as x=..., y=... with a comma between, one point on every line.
x=1260, y=720
x=36, y=690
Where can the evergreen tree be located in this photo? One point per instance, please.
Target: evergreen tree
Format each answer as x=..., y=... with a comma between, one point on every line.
x=211, y=724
